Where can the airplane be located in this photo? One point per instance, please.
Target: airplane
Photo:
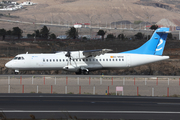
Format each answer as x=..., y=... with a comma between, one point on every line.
x=82, y=62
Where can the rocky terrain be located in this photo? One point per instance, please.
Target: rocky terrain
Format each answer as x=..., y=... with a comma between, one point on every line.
x=96, y=12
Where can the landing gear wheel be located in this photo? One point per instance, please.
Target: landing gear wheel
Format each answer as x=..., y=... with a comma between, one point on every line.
x=86, y=72
x=16, y=73
x=78, y=73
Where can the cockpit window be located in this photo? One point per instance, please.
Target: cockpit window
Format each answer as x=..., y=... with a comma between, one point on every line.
x=15, y=58
x=18, y=58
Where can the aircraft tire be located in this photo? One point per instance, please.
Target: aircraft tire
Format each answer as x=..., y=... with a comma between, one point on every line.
x=86, y=72
x=16, y=73
x=78, y=73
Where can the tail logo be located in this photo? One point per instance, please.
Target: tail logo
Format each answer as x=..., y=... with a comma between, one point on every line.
x=160, y=43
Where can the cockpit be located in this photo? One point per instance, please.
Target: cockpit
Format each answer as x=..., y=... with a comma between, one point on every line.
x=18, y=58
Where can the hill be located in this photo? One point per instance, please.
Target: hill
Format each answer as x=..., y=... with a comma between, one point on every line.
x=102, y=11
x=96, y=12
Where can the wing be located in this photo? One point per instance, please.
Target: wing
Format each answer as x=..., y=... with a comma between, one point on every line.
x=94, y=53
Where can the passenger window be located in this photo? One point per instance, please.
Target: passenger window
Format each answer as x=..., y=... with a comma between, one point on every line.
x=109, y=59
x=79, y=59
x=59, y=60
x=50, y=60
x=43, y=60
x=86, y=59
x=122, y=59
x=56, y=60
x=63, y=60
x=76, y=59
x=116, y=60
x=119, y=59
x=103, y=59
x=89, y=59
x=83, y=59
x=113, y=59
x=53, y=60
x=96, y=59
x=106, y=59
x=47, y=60
x=99, y=59
x=66, y=59
x=93, y=59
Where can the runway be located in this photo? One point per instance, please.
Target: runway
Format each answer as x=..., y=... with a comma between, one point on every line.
x=89, y=106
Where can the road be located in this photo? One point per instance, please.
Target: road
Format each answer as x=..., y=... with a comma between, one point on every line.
x=61, y=25
x=89, y=107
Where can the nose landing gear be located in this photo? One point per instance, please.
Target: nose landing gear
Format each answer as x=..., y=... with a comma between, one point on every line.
x=16, y=72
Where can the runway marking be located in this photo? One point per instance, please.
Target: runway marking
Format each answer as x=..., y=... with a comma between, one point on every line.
x=169, y=103
x=125, y=112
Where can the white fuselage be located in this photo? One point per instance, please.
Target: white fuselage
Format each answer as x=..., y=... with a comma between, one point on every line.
x=59, y=61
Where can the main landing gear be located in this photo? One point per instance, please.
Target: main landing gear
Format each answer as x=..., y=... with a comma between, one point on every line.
x=84, y=72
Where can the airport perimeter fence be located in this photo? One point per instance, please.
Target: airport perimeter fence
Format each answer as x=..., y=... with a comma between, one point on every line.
x=103, y=85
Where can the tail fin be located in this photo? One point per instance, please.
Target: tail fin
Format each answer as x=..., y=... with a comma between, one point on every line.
x=155, y=46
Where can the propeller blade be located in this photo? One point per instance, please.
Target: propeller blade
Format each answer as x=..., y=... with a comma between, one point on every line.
x=68, y=54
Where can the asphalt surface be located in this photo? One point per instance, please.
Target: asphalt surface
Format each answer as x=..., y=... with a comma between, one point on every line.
x=89, y=107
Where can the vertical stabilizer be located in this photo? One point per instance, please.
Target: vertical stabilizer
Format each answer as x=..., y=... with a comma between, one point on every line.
x=155, y=45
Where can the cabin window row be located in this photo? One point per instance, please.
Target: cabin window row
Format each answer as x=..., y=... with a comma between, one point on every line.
x=63, y=60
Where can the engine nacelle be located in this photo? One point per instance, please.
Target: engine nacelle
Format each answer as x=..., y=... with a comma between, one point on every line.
x=77, y=55
x=71, y=68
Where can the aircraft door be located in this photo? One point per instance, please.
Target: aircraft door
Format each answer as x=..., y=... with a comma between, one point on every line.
x=128, y=60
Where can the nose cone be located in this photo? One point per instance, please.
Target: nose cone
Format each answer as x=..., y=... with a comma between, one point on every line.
x=8, y=64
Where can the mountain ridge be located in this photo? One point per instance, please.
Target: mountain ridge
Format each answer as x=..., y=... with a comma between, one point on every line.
x=100, y=10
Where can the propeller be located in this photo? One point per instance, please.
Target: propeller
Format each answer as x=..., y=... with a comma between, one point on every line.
x=68, y=54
